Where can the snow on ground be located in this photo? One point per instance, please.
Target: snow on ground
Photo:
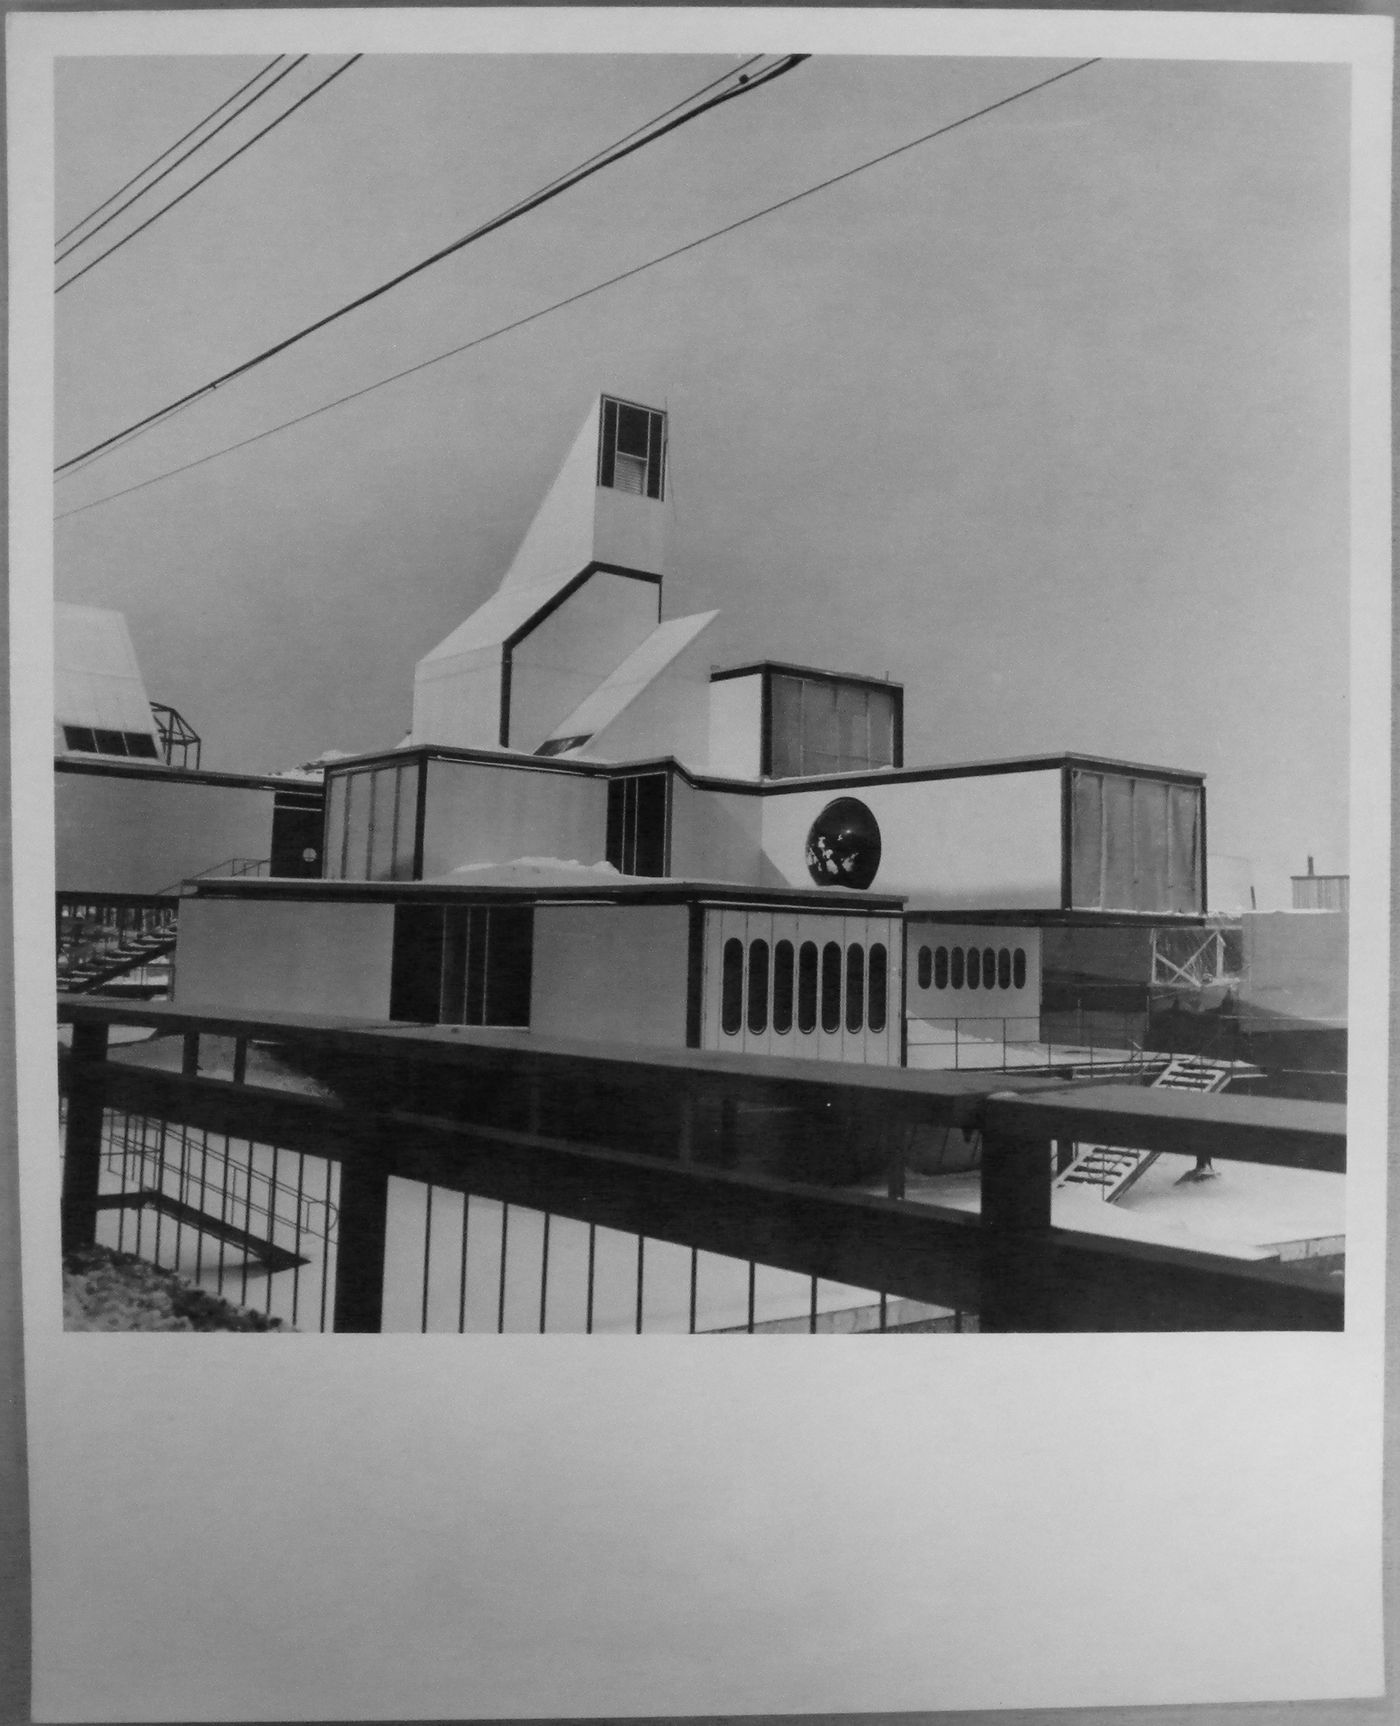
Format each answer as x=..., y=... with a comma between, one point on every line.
x=1246, y=1209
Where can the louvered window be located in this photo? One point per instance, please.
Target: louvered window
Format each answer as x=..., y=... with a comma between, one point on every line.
x=632, y=449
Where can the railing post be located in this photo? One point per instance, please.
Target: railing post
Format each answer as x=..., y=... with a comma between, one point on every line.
x=82, y=1159
x=359, y=1260
x=1016, y=1294
x=189, y=1063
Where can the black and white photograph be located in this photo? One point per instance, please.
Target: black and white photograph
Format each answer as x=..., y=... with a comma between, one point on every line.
x=710, y=685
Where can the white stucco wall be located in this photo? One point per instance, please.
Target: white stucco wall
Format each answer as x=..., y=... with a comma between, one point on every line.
x=715, y=835
x=569, y=654
x=1295, y=965
x=295, y=956
x=614, y=973
x=736, y=725
x=457, y=701
x=122, y=834
x=631, y=531
x=985, y=840
x=481, y=813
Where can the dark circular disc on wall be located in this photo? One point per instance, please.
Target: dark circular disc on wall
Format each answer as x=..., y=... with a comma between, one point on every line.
x=843, y=847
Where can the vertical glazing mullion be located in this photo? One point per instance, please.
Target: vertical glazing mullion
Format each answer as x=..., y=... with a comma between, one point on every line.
x=694, y=1283
x=427, y=1256
x=812, y=1311
x=753, y=1270
x=544, y=1271
x=884, y=1310
x=641, y=1251
x=393, y=873
x=592, y=1260
x=369, y=825
x=501, y=1293
x=462, y=1271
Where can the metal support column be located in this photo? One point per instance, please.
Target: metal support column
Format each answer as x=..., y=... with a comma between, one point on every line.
x=1015, y=1236
x=82, y=1161
x=359, y=1261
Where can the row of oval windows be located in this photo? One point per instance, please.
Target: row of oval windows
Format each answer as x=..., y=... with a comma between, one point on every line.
x=975, y=968
x=809, y=980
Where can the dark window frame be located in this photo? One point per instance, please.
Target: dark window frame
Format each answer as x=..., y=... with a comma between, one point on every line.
x=616, y=424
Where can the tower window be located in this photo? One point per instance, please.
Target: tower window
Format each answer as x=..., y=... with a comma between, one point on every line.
x=632, y=449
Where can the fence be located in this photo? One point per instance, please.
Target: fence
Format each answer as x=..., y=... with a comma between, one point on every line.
x=410, y=1174
x=1014, y=1042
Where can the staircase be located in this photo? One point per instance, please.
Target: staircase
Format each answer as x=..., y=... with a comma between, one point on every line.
x=1115, y=1169
x=84, y=969
x=103, y=940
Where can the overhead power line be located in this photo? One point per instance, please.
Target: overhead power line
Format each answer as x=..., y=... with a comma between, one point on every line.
x=286, y=114
x=164, y=153
x=583, y=293
x=554, y=190
x=179, y=160
x=165, y=414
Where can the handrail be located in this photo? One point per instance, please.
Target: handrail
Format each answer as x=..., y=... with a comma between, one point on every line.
x=662, y=1159
x=220, y=871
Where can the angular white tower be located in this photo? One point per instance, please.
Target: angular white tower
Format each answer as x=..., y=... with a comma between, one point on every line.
x=582, y=594
x=100, y=701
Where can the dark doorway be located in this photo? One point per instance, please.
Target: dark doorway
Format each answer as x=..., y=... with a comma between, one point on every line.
x=297, y=820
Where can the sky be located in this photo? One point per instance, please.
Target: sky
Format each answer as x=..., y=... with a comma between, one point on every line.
x=1046, y=418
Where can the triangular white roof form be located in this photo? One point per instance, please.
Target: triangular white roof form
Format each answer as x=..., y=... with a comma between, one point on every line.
x=97, y=680
x=464, y=693
x=642, y=707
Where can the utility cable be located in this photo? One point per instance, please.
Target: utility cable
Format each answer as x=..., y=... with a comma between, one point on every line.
x=513, y=214
x=573, y=299
x=724, y=77
x=164, y=153
x=733, y=72
x=286, y=114
x=180, y=160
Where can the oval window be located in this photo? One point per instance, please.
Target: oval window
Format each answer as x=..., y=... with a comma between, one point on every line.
x=855, y=986
x=807, y=987
x=876, y=987
x=831, y=986
x=974, y=967
x=731, y=1008
x=1004, y=968
x=843, y=845
x=1018, y=968
x=925, y=967
x=782, y=987
x=957, y=970
x=758, y=986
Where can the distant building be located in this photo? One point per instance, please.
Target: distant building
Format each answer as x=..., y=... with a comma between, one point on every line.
x=1313, y=892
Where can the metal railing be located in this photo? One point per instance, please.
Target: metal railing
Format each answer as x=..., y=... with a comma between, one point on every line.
x=1015, y=1042
x=632, y=1182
